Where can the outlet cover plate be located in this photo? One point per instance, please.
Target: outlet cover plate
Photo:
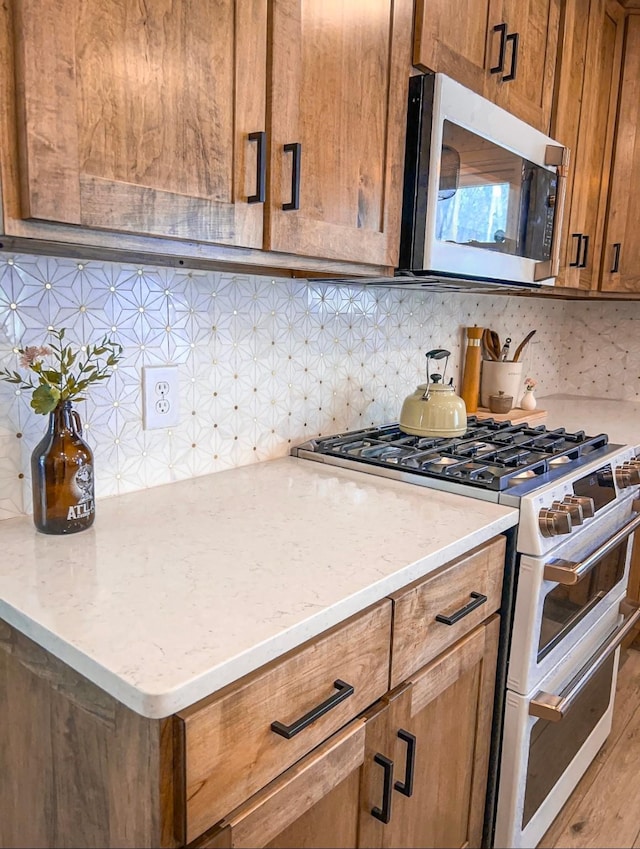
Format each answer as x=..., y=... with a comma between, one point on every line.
x=160, y=397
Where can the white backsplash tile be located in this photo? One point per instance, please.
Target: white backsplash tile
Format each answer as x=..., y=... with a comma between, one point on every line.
x=266, y=363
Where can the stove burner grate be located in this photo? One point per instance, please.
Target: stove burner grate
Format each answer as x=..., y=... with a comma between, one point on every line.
x=492, y=455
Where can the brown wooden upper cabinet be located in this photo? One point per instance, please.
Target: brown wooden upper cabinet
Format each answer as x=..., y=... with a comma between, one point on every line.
x=273, y=125
x=503, y=49
x=338, y=83
x=584, y=117
x=140, y=117
x=621, y=252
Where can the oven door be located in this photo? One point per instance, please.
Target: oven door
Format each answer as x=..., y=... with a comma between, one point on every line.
x=561, y=596
x=551, y=736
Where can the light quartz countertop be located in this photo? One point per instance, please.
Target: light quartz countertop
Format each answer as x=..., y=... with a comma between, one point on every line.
x=619, y=419
x=178, y=590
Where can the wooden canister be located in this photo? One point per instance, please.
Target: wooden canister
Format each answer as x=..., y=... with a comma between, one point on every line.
x=470, y=391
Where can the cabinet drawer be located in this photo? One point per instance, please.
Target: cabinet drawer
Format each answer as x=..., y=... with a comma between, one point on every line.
x=230, y=749
x=418, y=636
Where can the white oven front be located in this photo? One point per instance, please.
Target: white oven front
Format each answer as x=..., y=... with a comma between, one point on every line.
x=562, y=595
x=552, y=734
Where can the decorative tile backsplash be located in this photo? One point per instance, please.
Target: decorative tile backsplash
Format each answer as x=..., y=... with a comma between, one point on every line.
x=266, y=363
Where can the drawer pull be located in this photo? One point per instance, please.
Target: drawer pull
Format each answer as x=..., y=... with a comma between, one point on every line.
x=406, y=787
x=384, y=813
x=478, y=600
x=344, y=691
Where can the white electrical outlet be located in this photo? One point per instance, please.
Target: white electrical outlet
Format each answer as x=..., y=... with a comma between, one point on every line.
x=160, y=406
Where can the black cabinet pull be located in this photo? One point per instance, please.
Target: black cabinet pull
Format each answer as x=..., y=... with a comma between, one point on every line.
x=616, y=257
x=478, y=600
x=502, y=29
x=406, y=787
x=296, y=149
x=514, y=38
x=384, y=813
x=261, y=168
x=576, y=261
x=585, y=252
x=344, y=691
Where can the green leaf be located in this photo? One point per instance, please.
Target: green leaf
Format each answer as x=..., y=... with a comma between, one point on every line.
x=44, y=399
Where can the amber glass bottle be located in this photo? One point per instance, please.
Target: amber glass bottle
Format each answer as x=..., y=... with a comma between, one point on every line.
x=62, y=476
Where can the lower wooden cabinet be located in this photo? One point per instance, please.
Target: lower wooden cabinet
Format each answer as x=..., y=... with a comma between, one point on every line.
x=410, y=772
x=372, y=766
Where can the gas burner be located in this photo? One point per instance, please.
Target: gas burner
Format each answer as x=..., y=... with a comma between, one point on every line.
x=490, y=455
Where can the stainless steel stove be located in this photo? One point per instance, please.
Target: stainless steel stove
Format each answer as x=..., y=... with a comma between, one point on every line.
x=564, y=590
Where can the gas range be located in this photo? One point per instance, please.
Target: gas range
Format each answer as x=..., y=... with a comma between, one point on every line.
x=551, y=475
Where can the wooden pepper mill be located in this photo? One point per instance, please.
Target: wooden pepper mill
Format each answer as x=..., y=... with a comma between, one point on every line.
x=470, y=391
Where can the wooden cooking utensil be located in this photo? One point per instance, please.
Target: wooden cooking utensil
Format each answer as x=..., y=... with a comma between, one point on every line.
x=521, y=346
x=488, y=344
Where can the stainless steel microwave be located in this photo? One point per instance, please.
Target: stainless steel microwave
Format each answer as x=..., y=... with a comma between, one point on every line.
x=483, y=191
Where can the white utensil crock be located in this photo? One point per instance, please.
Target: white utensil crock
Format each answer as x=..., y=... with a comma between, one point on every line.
x=500, y=377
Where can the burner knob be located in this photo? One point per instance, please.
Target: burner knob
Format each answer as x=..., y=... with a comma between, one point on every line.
x=633, y=467
x=627, y=475
x=587, y=504
x=554, y=522
x=570, y=507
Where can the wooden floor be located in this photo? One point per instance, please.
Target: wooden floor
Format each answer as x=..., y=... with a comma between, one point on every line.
x=604, y=809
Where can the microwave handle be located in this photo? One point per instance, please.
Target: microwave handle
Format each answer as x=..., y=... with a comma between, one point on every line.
x=558, y=156
x=568, y=572
x=553, y=708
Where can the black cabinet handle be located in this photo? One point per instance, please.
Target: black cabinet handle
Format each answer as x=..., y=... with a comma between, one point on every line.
x=384, y=813
x=478, y=600
x=585, y=252
x=344, y=691
x=406, y=787
x=261, y=169
x=576, y=261
x=616, y=257
x=502, y=29
x=514, y=38
x=296, y=149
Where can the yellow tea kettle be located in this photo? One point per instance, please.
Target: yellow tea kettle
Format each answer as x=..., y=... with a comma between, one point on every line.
x=434, y=409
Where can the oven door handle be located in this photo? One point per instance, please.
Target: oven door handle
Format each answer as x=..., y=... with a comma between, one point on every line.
x=553, y=708
x=568, y=573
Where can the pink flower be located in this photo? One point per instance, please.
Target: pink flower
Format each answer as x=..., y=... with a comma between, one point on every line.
x=529, y=382
x=33, y=353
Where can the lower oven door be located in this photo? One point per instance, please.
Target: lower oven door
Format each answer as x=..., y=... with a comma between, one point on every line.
x=563, y=594
x=552, y=735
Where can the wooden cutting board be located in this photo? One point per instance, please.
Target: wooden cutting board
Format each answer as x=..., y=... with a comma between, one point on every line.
x=516, y=416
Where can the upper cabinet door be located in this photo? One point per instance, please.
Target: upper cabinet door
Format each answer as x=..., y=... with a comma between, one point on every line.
x=338, y=91
x=621, y=253
x=453, y=44
x=503, y=49
x=523, y=38
x=584, y=120
x=137, y=117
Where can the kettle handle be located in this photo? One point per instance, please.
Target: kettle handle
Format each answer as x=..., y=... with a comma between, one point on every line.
x=436, y=354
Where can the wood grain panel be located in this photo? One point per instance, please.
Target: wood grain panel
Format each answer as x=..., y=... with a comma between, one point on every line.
x=624, y=196
x=308, y=805
x=83, y=772
x=530, y=94
x=417, y=636
x=231, y=751
x=338, y=86
x=462, y=679
x=152, y=105
x=453, y=44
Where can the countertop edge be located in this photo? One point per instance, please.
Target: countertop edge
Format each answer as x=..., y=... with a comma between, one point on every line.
x=164, y=704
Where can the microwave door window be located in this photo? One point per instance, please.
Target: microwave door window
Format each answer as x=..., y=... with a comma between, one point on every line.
x=485, y=195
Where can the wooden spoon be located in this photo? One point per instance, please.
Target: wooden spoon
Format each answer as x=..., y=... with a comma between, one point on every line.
x=520, y=347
